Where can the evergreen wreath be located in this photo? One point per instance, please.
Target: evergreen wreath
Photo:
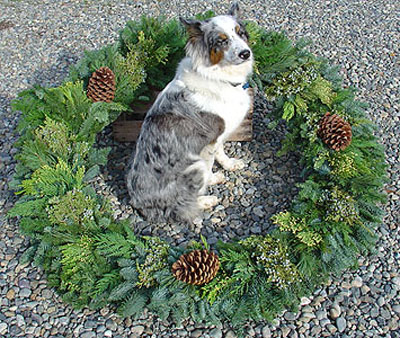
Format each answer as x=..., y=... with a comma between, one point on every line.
x=93, y=260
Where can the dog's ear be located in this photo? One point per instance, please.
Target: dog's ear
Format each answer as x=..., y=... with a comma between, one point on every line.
x=234, y=11
x=193, y=27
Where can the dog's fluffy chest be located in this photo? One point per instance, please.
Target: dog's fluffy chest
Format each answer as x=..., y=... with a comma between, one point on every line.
x=231, y=104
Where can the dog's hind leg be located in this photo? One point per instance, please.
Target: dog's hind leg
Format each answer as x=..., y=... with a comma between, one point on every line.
x=195, y=179
x=208, y=155
x=216, y=178
x=207, y=202
x=226, y=162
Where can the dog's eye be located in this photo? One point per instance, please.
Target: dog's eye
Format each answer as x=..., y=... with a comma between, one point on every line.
x=243, y=35
x=241, y=32
x=222, y=42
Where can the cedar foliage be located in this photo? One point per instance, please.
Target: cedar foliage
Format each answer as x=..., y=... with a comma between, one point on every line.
x=93, y=260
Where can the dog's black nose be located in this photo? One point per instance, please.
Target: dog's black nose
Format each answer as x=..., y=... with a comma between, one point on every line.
x=244, y=54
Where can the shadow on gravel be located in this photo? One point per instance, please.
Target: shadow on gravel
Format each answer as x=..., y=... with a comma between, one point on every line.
x=51, y=75
x=248, y=198
x=8, y=136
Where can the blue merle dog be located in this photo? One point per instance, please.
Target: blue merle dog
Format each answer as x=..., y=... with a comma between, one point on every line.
x=185, y=129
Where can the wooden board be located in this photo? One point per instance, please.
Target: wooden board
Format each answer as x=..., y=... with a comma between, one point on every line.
x=127, y=127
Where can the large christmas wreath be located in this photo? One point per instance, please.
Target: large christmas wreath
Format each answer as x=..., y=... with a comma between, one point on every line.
x=94, y=260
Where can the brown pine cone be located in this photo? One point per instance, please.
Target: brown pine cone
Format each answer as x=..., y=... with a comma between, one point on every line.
x=335, y=132
x=197, y=267
x=101, y=85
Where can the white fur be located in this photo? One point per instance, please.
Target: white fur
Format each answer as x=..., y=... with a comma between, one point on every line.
x=212, y=85
x=213, y=91
x=228, y=25
x=201, y=87
x=207, y=202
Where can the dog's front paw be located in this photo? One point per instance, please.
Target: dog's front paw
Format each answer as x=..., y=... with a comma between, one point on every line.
x=207, y=202
x=216, y=178
x=233, y=164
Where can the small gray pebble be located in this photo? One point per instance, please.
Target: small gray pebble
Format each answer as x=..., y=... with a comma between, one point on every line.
x=196, y=333
x=230, y=334
x=396, y=308
x=216, y=333
x=3, y=328
x=25, y=292
x=335, y=311
x=137, y=330
x=266, y=332
x=88, y=334
x=111, y=325
x=341, y=324
x=396, y=281
x=290, y=316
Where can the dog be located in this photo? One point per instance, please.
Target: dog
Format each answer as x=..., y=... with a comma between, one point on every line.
x=184, y=130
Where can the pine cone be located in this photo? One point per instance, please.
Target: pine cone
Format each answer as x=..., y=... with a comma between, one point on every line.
x=101, y=85
x=334, y=132
x=197, y=267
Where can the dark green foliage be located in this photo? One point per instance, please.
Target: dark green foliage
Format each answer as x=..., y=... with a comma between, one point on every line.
x=143, y=60
x=337, y=203
x=110, y=57
x=166, y=34
x=58, y=126
x=27, y=206
x=93, y=260
x=274, y=53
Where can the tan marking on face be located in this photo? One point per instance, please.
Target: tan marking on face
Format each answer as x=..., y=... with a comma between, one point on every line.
x=216, y=56
x=222, y=36
x=237, y=29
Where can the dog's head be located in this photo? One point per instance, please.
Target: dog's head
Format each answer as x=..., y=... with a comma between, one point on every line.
x=221, y=41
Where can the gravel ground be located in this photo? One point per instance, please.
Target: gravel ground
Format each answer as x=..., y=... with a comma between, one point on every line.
x=38, y=42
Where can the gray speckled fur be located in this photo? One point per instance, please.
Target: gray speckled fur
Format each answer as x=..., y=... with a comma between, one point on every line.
x=167, y=173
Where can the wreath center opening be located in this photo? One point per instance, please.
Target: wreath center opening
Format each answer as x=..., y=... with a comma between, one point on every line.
x=249, y=197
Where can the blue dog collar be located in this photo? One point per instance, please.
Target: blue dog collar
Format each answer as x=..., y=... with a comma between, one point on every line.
x=245, y=86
